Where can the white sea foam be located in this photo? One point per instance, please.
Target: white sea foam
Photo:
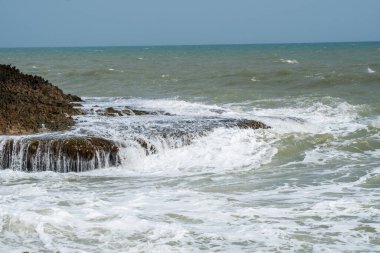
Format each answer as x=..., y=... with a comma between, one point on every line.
x=198, y=210
x=375, y=122
x=227, y=190
x=370, y=71
x=318, y=76
x=174, y=106
x=340, y=117
x=220, y=151
x=210, y=151
x=289, y=61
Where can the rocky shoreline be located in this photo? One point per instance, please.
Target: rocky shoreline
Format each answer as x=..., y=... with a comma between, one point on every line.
x=31, y=105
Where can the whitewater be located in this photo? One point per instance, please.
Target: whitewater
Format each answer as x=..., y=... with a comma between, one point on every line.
x=310, y=183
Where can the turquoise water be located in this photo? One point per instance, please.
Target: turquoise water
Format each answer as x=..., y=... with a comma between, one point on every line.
x=309, y=184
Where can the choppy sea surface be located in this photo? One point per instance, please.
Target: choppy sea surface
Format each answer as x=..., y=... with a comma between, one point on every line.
x=310, y=183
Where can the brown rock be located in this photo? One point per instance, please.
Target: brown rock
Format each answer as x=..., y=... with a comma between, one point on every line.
x=149, y=148
x=61, y=155
x=29, y=104
x=129, y=111
x=112, y=112
x=252, y=124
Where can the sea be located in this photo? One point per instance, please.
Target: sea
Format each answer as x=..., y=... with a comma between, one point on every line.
x=310, y=183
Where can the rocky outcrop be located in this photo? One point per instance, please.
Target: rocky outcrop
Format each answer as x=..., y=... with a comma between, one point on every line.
x=251, y=124
x=70, y=154
x=29, y=104
x=110, y=111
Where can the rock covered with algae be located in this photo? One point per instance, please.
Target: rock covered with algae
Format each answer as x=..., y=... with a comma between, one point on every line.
x=70, y=154
x=30, y=104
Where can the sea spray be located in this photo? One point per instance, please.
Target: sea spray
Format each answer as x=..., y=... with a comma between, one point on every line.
x=309, y=183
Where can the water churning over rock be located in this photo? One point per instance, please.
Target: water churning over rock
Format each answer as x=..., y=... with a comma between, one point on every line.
x=74, y=154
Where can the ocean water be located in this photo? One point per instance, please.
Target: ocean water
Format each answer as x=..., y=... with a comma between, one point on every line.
x=310, y=183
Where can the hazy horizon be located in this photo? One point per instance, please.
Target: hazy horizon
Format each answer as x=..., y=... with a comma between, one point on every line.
x=93, y=23
x=191, y=45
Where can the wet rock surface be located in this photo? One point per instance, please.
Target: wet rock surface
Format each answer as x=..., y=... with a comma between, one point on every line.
x=110, y=111
x=251, y=124
x=30, y=104
x=70, y=154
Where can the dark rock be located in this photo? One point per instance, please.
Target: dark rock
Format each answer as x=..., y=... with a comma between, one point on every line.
x=74, y=98
x=112, y=112
x=129, y=111
x=29, y=104
x=252, y=124
x=218, y=111
x=149, y=147
x=74, y=154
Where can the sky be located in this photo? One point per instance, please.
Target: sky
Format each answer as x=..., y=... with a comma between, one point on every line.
x=65, y=23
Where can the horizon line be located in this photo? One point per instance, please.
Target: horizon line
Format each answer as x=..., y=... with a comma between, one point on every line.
x=189, y=45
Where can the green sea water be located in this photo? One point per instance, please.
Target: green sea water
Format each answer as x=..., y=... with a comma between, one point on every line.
x=311, y=183
x=217, y=74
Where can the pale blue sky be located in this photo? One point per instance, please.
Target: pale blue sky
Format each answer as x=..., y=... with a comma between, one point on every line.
x=31, y=23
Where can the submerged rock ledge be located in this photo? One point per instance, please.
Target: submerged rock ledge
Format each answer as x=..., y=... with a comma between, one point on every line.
x=70, y=154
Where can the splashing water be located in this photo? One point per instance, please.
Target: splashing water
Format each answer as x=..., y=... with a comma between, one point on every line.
x=188, y=180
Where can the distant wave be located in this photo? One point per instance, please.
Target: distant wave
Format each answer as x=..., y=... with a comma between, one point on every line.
x=370, y=71
x=289, y=61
